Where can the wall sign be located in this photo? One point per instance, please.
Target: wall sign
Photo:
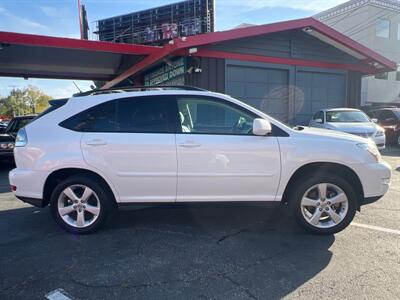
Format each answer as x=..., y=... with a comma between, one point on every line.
x=167, y=74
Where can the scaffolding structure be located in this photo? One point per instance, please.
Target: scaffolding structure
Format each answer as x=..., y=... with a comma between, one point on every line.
x=157, y=25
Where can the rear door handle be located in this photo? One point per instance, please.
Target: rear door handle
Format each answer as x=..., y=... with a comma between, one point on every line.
x=189, y=145
x=96, y=142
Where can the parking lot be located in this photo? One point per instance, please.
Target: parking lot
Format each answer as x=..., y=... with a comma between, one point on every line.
x=201, y=251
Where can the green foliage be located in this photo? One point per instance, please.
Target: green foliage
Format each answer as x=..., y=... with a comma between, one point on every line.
x=30, y=100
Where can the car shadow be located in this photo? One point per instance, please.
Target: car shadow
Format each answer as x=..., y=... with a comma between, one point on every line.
x=173, y=251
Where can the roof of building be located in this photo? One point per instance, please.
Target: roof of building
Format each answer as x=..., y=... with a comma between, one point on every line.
x=352, y=5
x=27, y=55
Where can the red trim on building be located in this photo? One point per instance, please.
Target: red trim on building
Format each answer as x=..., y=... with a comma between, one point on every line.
x=282, y=61
x=143, y=64
x=67, y=43
x=217, y=37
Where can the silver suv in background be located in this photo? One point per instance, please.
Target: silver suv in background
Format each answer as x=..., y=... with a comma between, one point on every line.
x=351, y=121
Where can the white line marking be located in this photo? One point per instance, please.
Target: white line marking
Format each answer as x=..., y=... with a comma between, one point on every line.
x=377, y=228
x=58, y=294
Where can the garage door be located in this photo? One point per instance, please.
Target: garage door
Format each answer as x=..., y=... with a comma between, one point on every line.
x=263, y=88
x=317, y=90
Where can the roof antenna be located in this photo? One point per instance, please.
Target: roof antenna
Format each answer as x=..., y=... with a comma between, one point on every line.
x=80, y=91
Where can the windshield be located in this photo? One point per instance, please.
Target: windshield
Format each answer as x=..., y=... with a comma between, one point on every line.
x=346, y=117
x=17, y=124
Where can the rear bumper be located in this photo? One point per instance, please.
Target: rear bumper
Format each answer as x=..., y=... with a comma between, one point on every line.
x=32, y=201
x=29, y=184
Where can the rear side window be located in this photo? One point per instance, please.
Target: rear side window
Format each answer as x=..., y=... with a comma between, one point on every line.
x=136, y=115
x=101, y=118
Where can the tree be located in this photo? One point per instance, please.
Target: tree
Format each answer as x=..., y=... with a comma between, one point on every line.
x=30, y=100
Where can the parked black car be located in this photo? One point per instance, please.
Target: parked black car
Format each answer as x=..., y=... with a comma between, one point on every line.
x=3, y=127
x=7, y=139
x=389, y=118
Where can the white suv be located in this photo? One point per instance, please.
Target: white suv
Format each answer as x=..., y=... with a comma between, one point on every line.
x=93, y=153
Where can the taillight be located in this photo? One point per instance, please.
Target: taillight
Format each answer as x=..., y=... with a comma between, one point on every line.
x=21, y=140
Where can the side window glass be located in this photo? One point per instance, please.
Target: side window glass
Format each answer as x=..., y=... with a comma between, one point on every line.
x=146, y=115
x=213, y=116
x=101, y=118
x=319, y=115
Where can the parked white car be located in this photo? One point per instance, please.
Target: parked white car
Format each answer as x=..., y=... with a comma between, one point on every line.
x=102, y=151
x=351, y=121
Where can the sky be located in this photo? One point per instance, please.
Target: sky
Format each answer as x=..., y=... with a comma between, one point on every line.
x=60, y=18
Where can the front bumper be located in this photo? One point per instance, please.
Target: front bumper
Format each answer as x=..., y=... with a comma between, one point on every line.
x=8, y=155
x=374, y=177
x=380, y=142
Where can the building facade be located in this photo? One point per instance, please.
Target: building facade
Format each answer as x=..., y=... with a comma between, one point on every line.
x=375, y=24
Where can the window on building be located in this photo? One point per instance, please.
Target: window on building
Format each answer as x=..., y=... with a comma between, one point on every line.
x=398, y=32
x=383, y=76
x=398, y=74
x=383, y=28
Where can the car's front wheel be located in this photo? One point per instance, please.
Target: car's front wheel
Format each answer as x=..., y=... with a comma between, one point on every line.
x=80, y=204
x=324, y=204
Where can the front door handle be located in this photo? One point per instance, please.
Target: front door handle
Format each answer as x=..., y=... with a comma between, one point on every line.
x=96, y=142
x=190, y=145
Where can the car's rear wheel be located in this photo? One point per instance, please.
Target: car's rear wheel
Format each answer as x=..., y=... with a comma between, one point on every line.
x=324, y=204
x=80, y=205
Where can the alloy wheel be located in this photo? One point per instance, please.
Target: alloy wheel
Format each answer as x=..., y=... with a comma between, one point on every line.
x=324, y=205
x=79, y=206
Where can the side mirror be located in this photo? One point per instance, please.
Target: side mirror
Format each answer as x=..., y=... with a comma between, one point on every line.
x=318, y=121
x=261, y=127
x=375, y=120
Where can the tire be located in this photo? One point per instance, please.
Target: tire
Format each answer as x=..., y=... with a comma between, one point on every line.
x=80, y=197
x=307, y=204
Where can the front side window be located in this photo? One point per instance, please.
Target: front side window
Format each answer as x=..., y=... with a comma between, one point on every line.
x=136, y=115
x=319, y=116
x=346, y=117
x=213, y=116
x=383, y=28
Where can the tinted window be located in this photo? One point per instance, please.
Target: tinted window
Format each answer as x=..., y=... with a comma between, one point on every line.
x=213, y=116
x=142, y=115
x=101, y=118
x=17, y=124
x=319, y=115
x=149, y=114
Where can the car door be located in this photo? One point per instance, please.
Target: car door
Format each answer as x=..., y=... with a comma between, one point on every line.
x=219, y=159
x=131, y=141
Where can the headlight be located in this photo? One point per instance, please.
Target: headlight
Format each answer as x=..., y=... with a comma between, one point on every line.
x=380, y=132
x=21, y=140
x=371, y=149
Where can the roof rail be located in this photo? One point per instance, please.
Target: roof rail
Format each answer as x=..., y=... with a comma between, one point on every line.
x=139, y=89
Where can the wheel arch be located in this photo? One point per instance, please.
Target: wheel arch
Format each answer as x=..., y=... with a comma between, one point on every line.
x=58, y=175
x=325, y=167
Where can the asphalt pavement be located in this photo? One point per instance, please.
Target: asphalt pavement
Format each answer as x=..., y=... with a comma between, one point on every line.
x=203, y=251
